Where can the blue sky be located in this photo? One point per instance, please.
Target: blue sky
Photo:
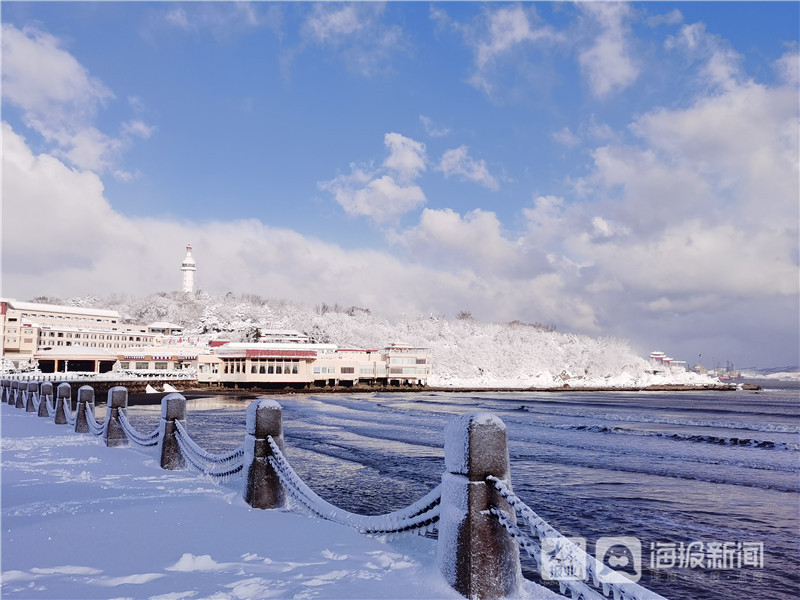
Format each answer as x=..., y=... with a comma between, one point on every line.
x=628, y=170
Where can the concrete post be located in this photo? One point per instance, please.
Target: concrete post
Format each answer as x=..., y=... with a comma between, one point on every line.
x=21, y=394
x=173, y=408
x=5, y=387
x=262, y=487
x=475, y=553
x=45, y=396
x=85, y=398
x=113, y=435
x=33, y=395
x=63, y=395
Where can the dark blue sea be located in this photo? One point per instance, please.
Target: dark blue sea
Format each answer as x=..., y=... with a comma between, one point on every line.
x=707, y=483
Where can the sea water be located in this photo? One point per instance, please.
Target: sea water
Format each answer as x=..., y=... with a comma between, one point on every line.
x=703, y=488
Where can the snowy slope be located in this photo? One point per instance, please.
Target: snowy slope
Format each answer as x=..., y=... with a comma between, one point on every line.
x=464, y=352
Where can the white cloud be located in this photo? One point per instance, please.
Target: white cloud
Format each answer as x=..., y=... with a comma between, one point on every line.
x=381, y=199
x=138, y=129
x=221, y=19
x=721, y=65
x=474, y=241
x=383, y=195
x=458, y=162
x=500, y=37
x=59, y=99
x=431, y=129
x=331, y=22
x=608, y=64
x=355, y=31
x=673, y=17
x=788, y=66
x=565, y=137
x=407, y=157
x=42, y=78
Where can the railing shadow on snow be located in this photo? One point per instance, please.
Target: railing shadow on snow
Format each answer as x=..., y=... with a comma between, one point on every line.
x=474, y=508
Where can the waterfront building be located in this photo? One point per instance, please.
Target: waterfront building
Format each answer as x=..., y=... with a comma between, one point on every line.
x=306, y=364
x=29, y=328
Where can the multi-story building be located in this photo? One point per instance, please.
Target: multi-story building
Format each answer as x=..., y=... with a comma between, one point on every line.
x=30, y=329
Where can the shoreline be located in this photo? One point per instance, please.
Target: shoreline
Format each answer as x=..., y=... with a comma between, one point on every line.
x=136, y=389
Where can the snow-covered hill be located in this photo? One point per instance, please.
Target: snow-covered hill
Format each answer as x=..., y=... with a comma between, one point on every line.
x=464, y=352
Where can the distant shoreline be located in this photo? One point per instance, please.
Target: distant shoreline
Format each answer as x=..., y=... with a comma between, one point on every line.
x=470, y=390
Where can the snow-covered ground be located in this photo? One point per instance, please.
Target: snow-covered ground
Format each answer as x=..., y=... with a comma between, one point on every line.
x=80, y=520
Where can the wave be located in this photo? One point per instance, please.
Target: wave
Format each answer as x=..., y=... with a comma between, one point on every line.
x=703, y=438
x=625, y=418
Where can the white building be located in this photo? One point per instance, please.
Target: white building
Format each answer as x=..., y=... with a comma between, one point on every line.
x=188, y=267
x=304, y=364
x=29, y=329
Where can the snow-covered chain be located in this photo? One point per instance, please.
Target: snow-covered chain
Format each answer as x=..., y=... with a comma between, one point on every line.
x=422, y=514
x=146, y=439
x=599, y=574
x=215, y=465
x=70, y=416
x=95, y=427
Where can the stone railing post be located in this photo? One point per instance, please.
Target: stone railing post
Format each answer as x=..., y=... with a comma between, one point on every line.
x=5, y=387
x=85, y=398
x=33, y=395
x=475, y=553
x=45, y=396
x=20, y=394
x=63, y=395
x=173, y=408
x=114, y=435
x=262, y=487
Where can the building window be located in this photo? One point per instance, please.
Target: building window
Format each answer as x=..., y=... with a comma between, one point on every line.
x=161, y=366
x=348, y=370
x=124, y=364
x=142, y=365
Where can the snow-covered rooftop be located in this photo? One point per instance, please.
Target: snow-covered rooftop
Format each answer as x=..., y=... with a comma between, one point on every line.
x=38, y=307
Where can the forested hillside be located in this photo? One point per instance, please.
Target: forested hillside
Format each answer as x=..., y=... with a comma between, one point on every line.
x=464, y=351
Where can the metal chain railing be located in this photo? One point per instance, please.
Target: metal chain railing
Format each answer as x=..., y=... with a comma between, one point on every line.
x=142, y=439
x=221, y=466
x=600, y=576
x=420, y=516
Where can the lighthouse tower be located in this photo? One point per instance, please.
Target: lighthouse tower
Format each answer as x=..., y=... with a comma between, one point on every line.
x=188, y=267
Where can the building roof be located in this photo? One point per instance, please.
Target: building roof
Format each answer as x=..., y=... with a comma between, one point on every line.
x=75, y=352
x=164, y=325
x=77, y=310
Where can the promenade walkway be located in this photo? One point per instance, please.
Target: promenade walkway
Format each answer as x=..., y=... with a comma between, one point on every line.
x=81, y=520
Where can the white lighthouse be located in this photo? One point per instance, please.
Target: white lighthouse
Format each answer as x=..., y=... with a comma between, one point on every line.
x=188, y=267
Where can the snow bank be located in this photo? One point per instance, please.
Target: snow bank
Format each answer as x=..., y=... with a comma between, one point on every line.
x=80, y=520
